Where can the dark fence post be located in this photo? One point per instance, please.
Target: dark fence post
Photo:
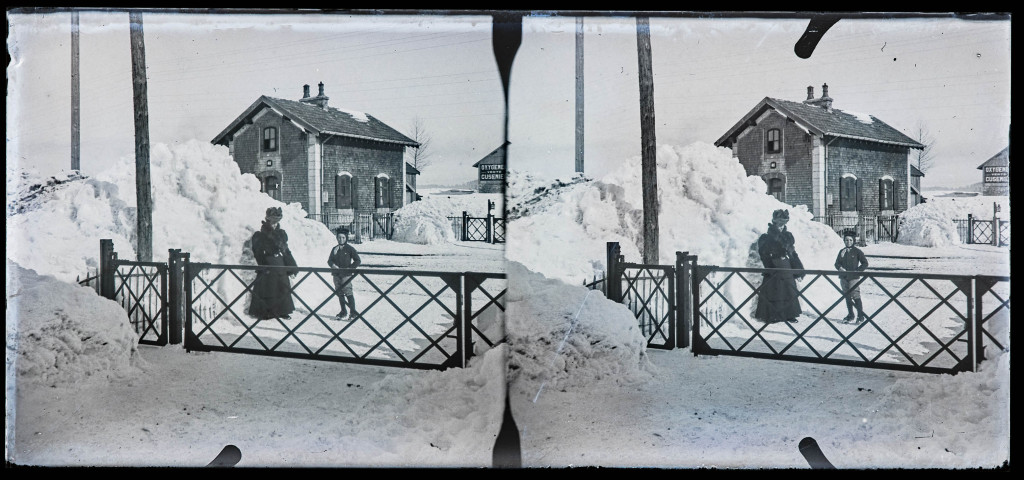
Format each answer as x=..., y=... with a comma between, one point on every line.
x=694, y=303
x=682, y=300
x=975, y=311
x=468, y=285
x=106, y=272
x=186, y=283
x=614, y=274
x=465, y=220
x=490, y=228
x=970, y=228
x=462, y=331
x=174, y=295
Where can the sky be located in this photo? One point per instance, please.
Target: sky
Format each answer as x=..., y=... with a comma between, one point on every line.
x=583, y=389
x=949, y=75
x=205, y=70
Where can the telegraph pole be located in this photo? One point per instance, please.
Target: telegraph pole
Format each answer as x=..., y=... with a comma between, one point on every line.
x=579, y=94
x=144, y=202
x=648, y=147
x=76, y=139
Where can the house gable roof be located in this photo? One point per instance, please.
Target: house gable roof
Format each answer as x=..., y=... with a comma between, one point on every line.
x=314, y=119
x=1000, y=159
x=822, y=122
x=496, y=156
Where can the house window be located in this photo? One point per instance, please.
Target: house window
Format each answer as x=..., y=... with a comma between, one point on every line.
x=849, y=194
x=886, y=194
x=775, y=189
x=773, y=141
x=272, y=187
x=381, y=192
x=269, y=139
x=343, y=191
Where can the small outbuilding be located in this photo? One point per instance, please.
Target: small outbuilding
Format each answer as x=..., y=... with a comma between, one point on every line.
x=995, y=178
x=491, y=171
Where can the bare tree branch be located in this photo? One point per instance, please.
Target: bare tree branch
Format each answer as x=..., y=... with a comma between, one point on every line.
x=923, y=159
x=421, y=157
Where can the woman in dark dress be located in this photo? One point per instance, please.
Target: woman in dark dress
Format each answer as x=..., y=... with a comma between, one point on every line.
x=778, y=299
x=272, y=290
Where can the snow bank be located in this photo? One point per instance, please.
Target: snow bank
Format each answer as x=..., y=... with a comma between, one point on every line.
x=939, y=398
x=568, y=337
x=708, y=207
x=64, y=333
x=426, y=221
x=202, y=204
x=931, y=224
x=430, y=426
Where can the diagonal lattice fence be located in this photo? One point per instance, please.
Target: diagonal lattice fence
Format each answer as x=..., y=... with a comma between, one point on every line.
x=914, y=322
x=402, y=318
x=141, y=289
x=498, y=230
x=648, y=291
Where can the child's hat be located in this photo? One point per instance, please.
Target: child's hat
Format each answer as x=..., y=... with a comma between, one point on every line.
x=781, y=213
x=850, y=233
x=341, y=230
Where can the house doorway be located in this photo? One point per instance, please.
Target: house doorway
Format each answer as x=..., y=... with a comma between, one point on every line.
x=776, y=188
x=272, y=187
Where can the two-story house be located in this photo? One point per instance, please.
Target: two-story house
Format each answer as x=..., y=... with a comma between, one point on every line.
x=340, y=165
x=848, y=168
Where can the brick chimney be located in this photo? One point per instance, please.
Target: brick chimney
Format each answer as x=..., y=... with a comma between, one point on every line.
x=320, y=100
x=824, y=102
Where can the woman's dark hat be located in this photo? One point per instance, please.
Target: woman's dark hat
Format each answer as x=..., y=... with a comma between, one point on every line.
x=850, y=233
x=341, y=230
x=780, y=213
x=274, y=215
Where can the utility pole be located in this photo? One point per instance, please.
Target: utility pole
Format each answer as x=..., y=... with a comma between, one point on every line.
x=76, y=138
x=648, y=147
x=144, y=200
x=579, y=94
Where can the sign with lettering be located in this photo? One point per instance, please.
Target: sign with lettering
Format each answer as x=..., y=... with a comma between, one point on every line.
x=492, y=176
x=997, y=175
x=491, y=166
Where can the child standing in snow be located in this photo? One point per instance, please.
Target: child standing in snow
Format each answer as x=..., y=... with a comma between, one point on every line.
x=851, y=259
x=344, y=255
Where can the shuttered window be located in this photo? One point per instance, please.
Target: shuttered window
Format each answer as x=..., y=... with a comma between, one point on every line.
x=773, y=141
x=269, y=139
x=849, y=194
x=343, y=191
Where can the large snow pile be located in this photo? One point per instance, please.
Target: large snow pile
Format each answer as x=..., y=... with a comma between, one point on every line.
x=564, y=337
x=25, y=187
x=429, y=425
x=60, y=333
x=708, y=207
x=937, y=398
x=427, y=222
x=932, y=224
x=202, y=204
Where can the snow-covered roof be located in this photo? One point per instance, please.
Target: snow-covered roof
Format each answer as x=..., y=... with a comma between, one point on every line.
x=329, y=120
x=824, y=122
